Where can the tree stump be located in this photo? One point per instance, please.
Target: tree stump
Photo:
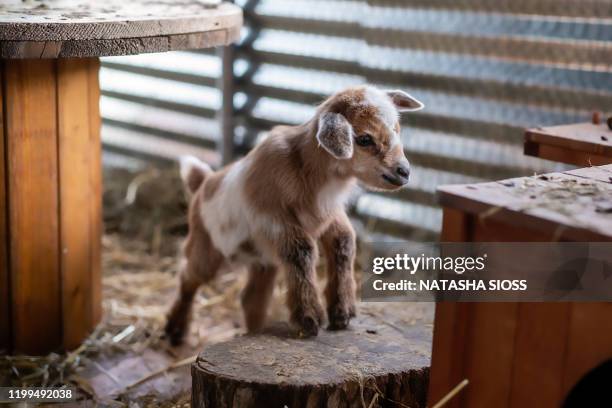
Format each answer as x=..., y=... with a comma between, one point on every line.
x=382, y=360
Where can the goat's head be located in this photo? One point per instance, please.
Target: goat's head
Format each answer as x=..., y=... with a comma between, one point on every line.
x=360, y=127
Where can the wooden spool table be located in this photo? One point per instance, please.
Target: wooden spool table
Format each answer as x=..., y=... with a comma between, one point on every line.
x=50, y=175
x=382, y=360
x=522, y=354
x=581, y=144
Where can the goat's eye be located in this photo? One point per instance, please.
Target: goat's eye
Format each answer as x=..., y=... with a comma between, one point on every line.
x=364, y=140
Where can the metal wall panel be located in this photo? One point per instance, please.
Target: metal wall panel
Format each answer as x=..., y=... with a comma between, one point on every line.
x=486, y=69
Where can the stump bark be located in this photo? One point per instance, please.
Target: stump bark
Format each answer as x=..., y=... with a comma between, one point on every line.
x=382, y=360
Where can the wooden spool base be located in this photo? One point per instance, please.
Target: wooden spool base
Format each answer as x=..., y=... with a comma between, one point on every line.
x=50, y=194
x=382, y=360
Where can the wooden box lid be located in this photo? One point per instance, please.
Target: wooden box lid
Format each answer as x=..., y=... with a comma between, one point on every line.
x=573, y=205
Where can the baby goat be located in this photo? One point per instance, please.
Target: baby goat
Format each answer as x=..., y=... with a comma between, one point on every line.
x=267, y=210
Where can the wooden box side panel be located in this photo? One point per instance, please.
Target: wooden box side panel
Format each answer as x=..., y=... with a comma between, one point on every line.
x=589, y=342
x=503, y=349
x=540, y=347
x=451, y=323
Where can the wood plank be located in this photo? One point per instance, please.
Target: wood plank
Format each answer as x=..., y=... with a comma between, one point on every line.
x=115, y=19
x=449, y=343
x=534, y=203
x=95, y=174
x=129, y=367
x=600, y=173
x=114, y=28
x=539, y=360
x=484, y=350
x=580, y=144
x=451, y=323
x=579, y=137
x=490, y=230
x=75, y=193
x=455, y=226
x=488, y=354
x=124, y=46
x=564, y=155
x=589, y=342
x=31, y=133
x=5, y=314
x=536, y=345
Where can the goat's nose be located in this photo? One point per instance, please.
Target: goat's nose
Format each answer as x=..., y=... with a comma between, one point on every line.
x=403, y=171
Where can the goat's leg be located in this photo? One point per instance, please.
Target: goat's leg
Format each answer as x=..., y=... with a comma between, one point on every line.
x=338, y=243
x=257, y=294
x=203, y=263
x=179, y=315
x=298, y=254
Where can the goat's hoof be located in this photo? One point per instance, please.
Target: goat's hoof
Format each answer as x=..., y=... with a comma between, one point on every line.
x=309, y=327
x=338, y=323
x=308, y=319
x=174, y=332
x=339, y=318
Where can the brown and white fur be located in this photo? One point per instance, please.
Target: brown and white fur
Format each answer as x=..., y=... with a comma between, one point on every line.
x=267, y=210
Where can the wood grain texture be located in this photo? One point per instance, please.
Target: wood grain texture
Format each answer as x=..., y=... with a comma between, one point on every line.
x=488, y=355
x=79, y=28
x=601, y=173
x=517, y=355
x=87, y=20
x=274, y=369
x=488, y=230
x=456, y=226
x=75, y=193
x=127, y=46
x=53, y=203
x=451, y=323
x=565, y=155
x=526, y=202
x=590, y=340
x=31, y=133
x=95, y=201
x=5, y=312
x=578, y=143
x=448, y=350
x=540, y=353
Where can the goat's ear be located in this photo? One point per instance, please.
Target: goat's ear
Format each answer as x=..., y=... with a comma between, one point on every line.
x=335, y=134
x=404, y=102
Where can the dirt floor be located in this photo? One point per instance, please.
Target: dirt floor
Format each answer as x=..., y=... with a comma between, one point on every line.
x=127, y=361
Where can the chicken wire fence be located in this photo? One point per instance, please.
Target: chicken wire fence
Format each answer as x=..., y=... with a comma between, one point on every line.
x=485, y=69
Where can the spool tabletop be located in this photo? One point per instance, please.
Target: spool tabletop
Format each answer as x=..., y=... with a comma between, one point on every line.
x=80, y=28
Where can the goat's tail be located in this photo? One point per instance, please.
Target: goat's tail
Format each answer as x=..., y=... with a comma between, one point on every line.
x=193, y=172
